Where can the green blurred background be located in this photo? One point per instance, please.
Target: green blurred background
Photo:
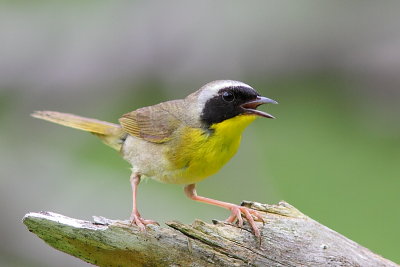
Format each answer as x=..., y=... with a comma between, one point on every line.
x=333, y=151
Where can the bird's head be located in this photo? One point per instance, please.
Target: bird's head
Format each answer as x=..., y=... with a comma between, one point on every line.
x=225, y=99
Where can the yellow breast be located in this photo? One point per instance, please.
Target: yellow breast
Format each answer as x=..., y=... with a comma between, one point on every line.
x=200, y=154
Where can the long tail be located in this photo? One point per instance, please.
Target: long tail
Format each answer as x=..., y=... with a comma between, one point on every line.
x=111, y=134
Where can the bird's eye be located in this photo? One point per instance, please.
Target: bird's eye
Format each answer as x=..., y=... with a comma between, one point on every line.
x=228, y=96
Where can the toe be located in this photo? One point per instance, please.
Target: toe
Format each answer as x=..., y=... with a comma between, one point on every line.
x=146, y=222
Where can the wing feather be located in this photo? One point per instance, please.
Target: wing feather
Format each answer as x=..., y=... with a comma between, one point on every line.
x=154, y=123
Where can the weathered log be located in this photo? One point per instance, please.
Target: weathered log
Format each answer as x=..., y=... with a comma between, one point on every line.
x=288, y=238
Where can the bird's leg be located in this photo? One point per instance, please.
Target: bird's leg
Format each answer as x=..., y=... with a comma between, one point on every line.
x=135, y=216
x=236, y=210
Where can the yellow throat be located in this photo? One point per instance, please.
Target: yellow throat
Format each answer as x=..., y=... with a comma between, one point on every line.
x=200, y=154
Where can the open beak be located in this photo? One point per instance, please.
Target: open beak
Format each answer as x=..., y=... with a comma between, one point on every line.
x=251, y=106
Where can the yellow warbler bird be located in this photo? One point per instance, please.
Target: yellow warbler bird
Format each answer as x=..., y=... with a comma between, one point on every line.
x=181, y=141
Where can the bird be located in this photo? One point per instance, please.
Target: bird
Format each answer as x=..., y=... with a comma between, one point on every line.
x=181, y=141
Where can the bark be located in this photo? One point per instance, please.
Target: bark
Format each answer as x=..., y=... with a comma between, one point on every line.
x=288, y=238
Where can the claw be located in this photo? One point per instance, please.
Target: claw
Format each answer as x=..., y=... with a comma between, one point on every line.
x=137, y=220
x=236, y=211
x=236, y=215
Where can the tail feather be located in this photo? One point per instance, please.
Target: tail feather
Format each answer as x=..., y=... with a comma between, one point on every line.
x=110, y=133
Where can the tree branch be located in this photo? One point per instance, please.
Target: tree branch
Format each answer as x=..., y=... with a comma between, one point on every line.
x=289, y=238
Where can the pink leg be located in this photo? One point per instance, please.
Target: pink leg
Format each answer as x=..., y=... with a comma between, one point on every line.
x=236, y=210
x=135, y=216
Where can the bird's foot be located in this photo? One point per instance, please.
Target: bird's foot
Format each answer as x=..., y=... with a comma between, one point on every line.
x=250, y=215
x=136, y=219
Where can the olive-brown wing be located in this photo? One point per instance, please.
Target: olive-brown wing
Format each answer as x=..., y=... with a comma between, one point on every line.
x=154, y=123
